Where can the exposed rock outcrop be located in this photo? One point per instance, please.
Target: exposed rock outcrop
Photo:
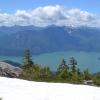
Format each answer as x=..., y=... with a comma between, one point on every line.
x=8, y=70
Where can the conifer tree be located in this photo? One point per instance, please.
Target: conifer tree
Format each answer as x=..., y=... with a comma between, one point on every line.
x=87, y=75
x=62, y=71
x=73, y=73
x=73, y=64
x=27, y=59
x=45, y=73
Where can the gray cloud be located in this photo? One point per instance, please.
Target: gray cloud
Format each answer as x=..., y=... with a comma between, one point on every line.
x=48, y=15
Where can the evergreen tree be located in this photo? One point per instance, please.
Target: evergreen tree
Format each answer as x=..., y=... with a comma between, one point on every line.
x=87, y=75
x=27, y=59
x=78, y=72
x=62, y=71
x=96, y=78
x=80, y=75
x=28, y=69
x=73, y=73
x=63, y=65
x=73, y=63
x=45, y=74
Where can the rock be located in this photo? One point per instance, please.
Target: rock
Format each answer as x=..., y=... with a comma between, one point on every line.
x=8, y=70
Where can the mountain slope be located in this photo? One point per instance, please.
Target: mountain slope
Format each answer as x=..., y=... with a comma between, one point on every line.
x=15, y=89
x=48, y=39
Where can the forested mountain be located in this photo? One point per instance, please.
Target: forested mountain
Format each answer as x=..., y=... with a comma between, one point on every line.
x=48, y=39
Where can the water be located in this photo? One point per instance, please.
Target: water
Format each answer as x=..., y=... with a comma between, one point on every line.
x=90, y=60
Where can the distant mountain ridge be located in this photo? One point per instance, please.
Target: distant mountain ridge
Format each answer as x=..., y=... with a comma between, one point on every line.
x=13, y=40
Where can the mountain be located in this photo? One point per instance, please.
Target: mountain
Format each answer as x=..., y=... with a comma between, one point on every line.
x=16, y=89
x=13, y=40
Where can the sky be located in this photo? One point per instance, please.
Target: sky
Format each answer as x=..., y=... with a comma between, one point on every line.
x=13, y=5
x=50, y=12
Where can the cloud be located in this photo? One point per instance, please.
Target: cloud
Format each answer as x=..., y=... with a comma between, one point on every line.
x=50, y=15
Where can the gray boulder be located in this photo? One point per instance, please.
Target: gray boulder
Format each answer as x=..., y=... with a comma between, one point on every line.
x=8, y=70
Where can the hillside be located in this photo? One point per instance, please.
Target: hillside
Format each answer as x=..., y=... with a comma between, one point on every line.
x=15, y=89
x=13, y=40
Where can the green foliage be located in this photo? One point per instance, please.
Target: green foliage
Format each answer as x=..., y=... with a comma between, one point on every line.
x=80, y=76
x=36, y=73
x=69, y=73
x=45, y=74
x=62, y=74
x=30, y=70
x=87, y=75
x=73, y=63
x=27, y=59
x=74, y=72
x=96, y=78
x=30, y=73
x=65, y=72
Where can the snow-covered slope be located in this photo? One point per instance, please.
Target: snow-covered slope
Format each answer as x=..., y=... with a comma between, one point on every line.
x=15, y=89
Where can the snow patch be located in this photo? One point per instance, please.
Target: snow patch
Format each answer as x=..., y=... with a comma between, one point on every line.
x=16, y=89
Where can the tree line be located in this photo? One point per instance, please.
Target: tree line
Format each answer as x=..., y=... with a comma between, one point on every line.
x=68, y=73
